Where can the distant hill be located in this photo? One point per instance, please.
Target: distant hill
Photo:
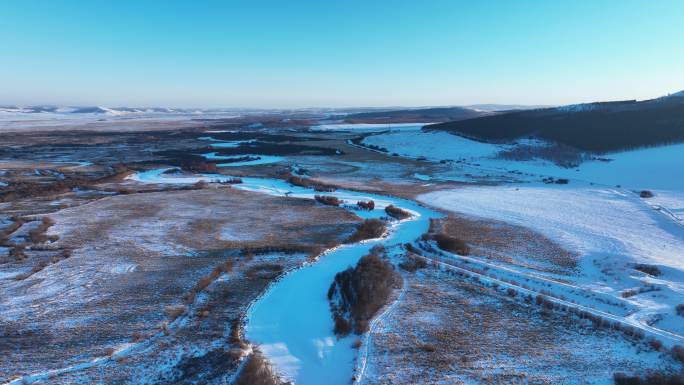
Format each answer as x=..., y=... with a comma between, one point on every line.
x=415, y=115
x=503, y=107
x=596, y=127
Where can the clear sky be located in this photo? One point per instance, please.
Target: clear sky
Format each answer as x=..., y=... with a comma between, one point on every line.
x=338, y=53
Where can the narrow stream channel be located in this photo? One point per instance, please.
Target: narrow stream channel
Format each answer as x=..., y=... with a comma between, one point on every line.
x=291, y=322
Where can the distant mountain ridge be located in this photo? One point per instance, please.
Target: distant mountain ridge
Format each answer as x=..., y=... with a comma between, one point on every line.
x=596, y=127
x=415, y=115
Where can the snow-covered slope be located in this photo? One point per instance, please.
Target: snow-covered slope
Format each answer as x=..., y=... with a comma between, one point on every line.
x=610, y=229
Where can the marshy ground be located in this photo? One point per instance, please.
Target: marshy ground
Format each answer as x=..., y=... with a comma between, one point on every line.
x=104, y=279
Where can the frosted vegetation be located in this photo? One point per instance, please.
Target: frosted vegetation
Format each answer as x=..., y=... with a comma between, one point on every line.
x=292, y=321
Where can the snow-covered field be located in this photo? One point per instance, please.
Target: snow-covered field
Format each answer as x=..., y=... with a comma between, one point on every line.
x=655, y=169
x=648, y=168
x=611, y=229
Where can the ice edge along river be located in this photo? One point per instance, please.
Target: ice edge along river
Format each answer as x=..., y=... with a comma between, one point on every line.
x=291, y=321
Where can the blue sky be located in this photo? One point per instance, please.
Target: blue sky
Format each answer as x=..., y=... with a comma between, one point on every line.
x=338, y=53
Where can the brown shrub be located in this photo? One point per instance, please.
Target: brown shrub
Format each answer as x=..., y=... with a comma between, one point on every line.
x=629, y=293
x=324, y=188
x=396, y=212
x=199, y=166
x=199, y=185
x=678, y=353
x=299, y=181
x=646, y=194
x=368, y=229
x=357, y=343
x=233, y=180
x=655, y=344
x=18, y=251
x=7, y=231
x=328, y=200
x=37, y=235
x=411, y=263
x=235, y=337
x=175, y=311
x=452, y=244
x=648, y=269
x=189, y=297
x=358, y=293
x=203, y=283
x=265, y=271
x=370, y=205
x=226, y=267
x=430, y=348
x=308, y=183
x=342, y=325
x=257, y=371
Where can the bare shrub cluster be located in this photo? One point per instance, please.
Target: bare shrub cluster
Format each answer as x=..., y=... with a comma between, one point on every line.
x=28, y=189
x=308, y=183
x=412, y=263
x=396, y=212
x=680, y=309
x=328, y=200
x=18, y=251
x=358, y=293
x=199, y=166
x=646, y=194
x=38, y=234
x=451, y=244
x=648, y=269
x=368, y=229
x=265, y=271
x=6, y=233
x=232, y=180
x=205, y=281
x=370, y=205
x=678, y=353
x=257, y=371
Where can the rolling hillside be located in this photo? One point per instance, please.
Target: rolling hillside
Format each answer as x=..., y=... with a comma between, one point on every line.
x=418, y=115
x=596, y=127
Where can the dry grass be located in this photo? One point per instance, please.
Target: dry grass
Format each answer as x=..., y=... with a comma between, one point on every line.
x=508, y=243
x=449, y=329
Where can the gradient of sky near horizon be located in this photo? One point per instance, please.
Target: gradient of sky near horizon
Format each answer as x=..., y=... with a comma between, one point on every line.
x=338, y=53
